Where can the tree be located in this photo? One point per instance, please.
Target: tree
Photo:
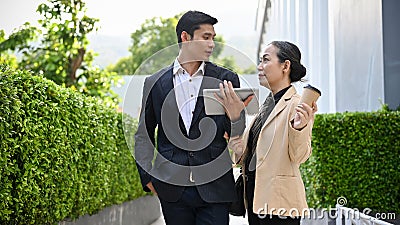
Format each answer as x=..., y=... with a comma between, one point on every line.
x=60, y=53
x=7, y=46
x=155, y=44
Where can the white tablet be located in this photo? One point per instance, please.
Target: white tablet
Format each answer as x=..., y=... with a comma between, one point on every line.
x=214, y=107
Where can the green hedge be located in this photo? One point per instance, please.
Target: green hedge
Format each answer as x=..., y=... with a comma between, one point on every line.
x=356, y=156
x=62, y=154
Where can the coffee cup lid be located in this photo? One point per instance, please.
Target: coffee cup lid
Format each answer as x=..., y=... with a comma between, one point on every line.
x=313, y=88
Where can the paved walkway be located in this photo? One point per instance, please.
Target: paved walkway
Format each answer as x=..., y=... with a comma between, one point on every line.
x=233, y=220
x=238, y=220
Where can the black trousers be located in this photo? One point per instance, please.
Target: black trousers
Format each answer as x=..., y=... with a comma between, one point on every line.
x=256, y=219
x=191, y=209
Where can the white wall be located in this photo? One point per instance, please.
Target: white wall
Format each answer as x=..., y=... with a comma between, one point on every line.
x=131, y=91
x=341, y=45
x=358, y=54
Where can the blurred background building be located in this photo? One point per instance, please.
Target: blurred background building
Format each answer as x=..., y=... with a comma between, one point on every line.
x=350, y=48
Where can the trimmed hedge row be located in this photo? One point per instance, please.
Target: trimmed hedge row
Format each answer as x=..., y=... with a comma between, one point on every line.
x=62, y=154
x=356, y=156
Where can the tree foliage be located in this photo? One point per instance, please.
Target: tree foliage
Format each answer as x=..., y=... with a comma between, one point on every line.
x=58, y=49
x=154, y=46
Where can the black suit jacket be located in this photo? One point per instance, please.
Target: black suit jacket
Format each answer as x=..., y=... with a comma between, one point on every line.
x=199, y=158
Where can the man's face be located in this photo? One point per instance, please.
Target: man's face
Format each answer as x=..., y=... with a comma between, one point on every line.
x=201, y=45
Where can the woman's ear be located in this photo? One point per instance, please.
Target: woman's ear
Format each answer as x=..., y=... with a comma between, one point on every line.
x=286, y=65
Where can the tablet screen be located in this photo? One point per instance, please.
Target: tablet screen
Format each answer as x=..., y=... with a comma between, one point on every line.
x=214, y=107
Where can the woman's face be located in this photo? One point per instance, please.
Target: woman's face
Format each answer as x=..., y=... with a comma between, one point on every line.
x=270, y=69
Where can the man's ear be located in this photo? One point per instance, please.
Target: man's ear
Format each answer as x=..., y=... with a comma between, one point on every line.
x=185, y=36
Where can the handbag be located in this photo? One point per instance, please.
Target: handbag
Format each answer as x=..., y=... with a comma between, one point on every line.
x=237, y=207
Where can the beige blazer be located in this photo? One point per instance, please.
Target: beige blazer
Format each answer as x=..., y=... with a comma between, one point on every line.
x=279, y=188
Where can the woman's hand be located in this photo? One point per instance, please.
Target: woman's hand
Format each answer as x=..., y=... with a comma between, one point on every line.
x=233, y=105
x=304, y=113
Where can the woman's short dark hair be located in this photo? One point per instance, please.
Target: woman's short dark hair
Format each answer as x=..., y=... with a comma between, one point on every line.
x=191, y=21
x=289, y=51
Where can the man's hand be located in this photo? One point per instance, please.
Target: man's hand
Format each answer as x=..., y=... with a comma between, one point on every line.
x=151, y=187
x=237, y=145
x=230, y=100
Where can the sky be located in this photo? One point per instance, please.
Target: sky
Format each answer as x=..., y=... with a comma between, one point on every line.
x=123, y=17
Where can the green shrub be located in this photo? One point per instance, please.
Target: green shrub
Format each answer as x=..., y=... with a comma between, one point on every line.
x=356, y=156
x=62, y=154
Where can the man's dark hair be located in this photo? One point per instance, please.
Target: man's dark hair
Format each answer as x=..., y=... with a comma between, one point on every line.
x=191, y=21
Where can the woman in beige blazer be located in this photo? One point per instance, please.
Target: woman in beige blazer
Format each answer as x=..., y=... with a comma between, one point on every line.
x=277, y=141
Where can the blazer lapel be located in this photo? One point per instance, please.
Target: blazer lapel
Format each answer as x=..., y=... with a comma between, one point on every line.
x=280, y=106
x=168, y=94
x=282, y=103
x=277, y=109
x=209, y=81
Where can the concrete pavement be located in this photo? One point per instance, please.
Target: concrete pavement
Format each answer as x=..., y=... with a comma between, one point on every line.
x=237, y=220
x=233, y=220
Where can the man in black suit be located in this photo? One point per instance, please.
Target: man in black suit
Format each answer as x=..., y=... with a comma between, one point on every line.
x=192, y=171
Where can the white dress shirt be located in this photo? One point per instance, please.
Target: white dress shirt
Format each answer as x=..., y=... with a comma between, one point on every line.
x=186, y=91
